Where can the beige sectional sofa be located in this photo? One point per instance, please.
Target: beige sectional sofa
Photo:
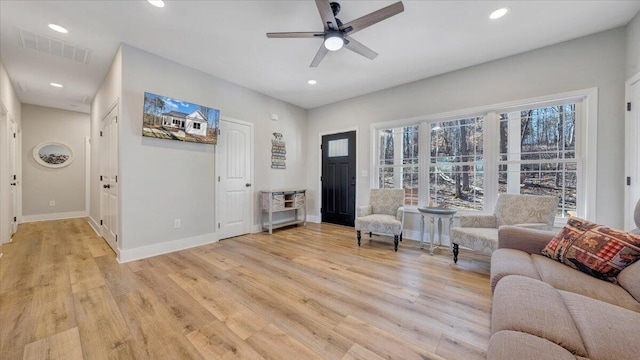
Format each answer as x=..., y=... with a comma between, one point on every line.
x=543, y=309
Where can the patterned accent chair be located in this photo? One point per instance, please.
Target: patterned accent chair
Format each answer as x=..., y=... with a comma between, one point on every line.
x=480, y=232
x=384, y=214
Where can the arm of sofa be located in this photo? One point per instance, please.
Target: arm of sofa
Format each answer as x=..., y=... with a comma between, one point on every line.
x=363, y=211
x=479, y=221
x=531, y=241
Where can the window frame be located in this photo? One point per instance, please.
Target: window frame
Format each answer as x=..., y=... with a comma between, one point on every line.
x=586, y=146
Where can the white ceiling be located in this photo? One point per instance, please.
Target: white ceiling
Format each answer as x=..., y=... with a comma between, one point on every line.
x=227, y=39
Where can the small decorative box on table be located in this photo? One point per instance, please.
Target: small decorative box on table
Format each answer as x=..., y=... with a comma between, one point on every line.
x=281, y=201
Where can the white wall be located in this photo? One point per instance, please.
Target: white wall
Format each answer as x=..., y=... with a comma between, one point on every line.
x=633, y=47
x=66, y=185
x=163, y=180
x=592, y=61
x=11, y=104
x=107, y=96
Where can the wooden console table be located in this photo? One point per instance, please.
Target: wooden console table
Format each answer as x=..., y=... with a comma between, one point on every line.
x=293, y=201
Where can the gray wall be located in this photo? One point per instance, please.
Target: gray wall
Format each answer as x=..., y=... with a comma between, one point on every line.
x=593, y=61
x=151, y=168
x=633, y=46
x=66, y=185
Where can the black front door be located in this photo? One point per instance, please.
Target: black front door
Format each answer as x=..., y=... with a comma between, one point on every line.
x=339, y=178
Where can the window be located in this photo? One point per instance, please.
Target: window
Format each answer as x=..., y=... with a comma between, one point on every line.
x=467, y=160
x=456, y=163
x=538, y=154
x=398, y=160
x=338, y=148
x=196, y=126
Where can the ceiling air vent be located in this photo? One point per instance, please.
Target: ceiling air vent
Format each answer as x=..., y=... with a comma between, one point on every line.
x=53, y=46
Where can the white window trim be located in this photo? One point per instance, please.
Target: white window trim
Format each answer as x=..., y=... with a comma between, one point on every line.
x=586, y=138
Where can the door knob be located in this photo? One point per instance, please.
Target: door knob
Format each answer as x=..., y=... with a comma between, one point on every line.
x=247, y=185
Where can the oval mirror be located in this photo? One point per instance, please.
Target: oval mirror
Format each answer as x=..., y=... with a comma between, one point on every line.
x=53, y=154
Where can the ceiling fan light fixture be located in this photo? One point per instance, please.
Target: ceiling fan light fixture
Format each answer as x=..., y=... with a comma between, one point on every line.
x=333, y=40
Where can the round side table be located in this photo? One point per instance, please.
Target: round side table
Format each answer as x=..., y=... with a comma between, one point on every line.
x=434, y=213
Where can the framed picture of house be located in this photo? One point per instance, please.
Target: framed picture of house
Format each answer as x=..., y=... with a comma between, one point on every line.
x=167, y=118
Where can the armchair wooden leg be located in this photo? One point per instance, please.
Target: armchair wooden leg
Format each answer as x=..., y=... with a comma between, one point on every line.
x=395, y=243
x=455, y=253
x=358, y=236
x=370, y=234
x=400, y=237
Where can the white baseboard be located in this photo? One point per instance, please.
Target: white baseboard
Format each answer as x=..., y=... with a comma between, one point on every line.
x=94, y=225
x=55, y=216
x=143, y=252
x=256, y=229
x=314, y=219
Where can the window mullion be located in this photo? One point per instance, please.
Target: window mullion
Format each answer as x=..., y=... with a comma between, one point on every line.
x=424, y=151
x=491, y=155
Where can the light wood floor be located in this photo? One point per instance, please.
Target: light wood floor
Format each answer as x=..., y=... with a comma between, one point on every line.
x=302, y=293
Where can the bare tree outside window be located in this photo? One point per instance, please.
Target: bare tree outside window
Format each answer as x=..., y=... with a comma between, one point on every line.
x=398, y=162
x=456, y=171
x=543, y=161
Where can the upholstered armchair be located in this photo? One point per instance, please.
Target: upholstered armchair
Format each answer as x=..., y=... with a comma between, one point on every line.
x=383, y=215
x=480, y=232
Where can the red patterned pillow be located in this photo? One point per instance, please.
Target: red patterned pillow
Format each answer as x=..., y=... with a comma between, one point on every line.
x=594, y=249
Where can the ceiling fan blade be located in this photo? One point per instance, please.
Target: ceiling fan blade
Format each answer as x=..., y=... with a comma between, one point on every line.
x=328, y=20
x=322, y=52
x=372, y=18
x=294, y=35
x=357, y=47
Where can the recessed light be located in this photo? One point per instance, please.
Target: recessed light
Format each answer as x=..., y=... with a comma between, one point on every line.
x=56, y=85
x=498, y=13
x=156, y=3
x=312, y=82
x=58, y=28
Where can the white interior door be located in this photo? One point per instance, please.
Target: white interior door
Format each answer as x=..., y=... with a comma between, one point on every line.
x=13, y=196
x=234, y=153
x=632, y=151
x=109, y=179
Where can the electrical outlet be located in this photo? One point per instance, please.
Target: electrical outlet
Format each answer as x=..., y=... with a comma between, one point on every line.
x=176, y=223
x=52, y=203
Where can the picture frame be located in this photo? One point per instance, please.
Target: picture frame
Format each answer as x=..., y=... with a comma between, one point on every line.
x=171, y=119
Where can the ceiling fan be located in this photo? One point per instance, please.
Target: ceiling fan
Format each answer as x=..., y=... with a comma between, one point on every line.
x=336, y=34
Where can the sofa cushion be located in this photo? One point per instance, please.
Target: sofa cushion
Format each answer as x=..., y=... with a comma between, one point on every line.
x=594, y=249
x=509, y=345
x=506, y=262
x=534, y=307
x=565, y=278
x=629, y=279
x=608, y=332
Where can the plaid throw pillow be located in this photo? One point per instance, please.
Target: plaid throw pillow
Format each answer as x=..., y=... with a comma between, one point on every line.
x=594, y=249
